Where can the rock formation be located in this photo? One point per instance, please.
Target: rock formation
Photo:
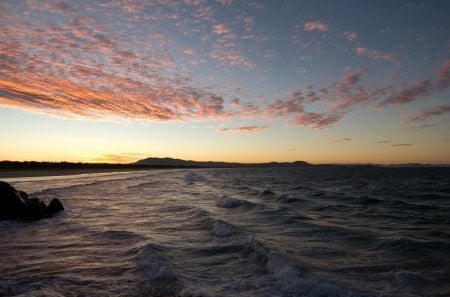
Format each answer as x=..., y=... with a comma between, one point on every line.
x=15, y=204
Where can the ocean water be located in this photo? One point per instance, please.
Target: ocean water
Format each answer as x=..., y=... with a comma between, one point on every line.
x=314, y=231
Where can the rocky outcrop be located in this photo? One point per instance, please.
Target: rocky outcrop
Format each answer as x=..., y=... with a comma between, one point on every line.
x=15, y=204
x=55, y=206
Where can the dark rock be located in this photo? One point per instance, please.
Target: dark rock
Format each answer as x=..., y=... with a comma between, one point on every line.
x=16, y=204
x=12, y=204
x=23, y=194
x=55, y=206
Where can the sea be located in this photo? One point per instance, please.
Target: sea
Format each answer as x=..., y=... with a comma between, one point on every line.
x=305, y=231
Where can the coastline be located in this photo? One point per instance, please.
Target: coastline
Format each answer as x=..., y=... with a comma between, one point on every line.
x=12, y=173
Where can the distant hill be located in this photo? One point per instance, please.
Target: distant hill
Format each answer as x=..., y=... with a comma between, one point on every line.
x=170, y=162
x=35, y=165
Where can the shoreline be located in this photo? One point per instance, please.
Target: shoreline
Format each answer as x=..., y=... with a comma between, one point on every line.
x=7, y=173
x=14, y=173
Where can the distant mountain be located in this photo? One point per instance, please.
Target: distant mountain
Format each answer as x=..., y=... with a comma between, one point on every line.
x=170, y=162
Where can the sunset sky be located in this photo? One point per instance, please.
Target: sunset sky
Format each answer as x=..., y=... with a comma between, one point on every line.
x=225, y=80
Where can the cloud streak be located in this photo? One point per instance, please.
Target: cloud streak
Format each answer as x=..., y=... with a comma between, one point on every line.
x=424, y=115
x=422, y=88
x=344, y=139
x=245, y=129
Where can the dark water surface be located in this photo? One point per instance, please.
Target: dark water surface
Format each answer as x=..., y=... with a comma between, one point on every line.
x=315, y=231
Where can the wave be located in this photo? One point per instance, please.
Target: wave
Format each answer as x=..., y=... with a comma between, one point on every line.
x=41, y=292
x=144, y=185
x=412, y=247
x=235, y=233
x=364, y=200
x=217, y=227
x=221, y=228
x=292, y=277
x=154, y=265
x=193, y=177
x=267, y=192
x=121, y=236
x=288, y=199
x=229, y=202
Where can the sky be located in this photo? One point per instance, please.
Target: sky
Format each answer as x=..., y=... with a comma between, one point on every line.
x=225, y=80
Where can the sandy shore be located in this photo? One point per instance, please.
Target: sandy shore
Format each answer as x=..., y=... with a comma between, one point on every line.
x=58, y=172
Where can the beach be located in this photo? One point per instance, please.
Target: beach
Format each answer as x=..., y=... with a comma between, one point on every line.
x=8, y=173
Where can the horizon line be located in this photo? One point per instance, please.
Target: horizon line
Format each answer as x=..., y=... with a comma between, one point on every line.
x=232, y=162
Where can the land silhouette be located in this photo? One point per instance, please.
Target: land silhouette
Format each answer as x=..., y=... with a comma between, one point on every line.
x=141, y=164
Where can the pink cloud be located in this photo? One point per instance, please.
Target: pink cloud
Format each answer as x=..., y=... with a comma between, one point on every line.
x=228, y=55
x=189, y=51
x=225, y=2
x=316, y=26
x=250, y=110
x=444, y=75
x=104, y=42
x=256, y=5
x=376, y=55
x=235, y=102
x=195, y=2
x=124, y=56
x=424, y=115
x=285, y=108
x=80, y=66
x=205, y=13
x=97, y=74
x=86, y=89
x=420, y=89
x=336, y=100
x=350, y=36
x=249, y=22
x=317, y=120
x=221, y=29
x=345, y=92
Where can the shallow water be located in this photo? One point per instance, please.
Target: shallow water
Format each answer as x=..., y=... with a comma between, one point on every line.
x=315, y=231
